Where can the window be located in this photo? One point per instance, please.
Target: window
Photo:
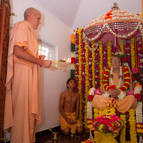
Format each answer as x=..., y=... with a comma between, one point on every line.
x=49, y=50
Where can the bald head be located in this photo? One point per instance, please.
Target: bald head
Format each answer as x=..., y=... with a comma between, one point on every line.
x=33, y=16
x=29, y=12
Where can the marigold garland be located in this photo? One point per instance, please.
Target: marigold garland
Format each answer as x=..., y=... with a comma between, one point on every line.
x=136, y=54
x=121, y=44
x=86, y=79
x=132, y=53
x=101, y=64
x=132, y=122
x=79, y=69
x=126, y=75
x=123, y=131
x=109, y=54
x=93, y=65
x=140, y=128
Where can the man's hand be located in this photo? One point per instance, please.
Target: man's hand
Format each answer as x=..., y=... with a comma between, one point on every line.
x=42, y=57
x=101, y=102
x=45, y=63
x=114, y=93
x=70, y=121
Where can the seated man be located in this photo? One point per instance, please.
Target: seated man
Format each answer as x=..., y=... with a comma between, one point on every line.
x=69, y=109
x=116, y=84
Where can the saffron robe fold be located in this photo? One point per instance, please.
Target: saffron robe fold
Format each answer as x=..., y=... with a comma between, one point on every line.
x=22, y=112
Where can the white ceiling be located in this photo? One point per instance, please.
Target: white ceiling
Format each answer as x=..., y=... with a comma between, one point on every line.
x=80, y=12
x=65, y=10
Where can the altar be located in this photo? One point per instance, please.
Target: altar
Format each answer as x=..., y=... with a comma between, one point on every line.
x=92, y=48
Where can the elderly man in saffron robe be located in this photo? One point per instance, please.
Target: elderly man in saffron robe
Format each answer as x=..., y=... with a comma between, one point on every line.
x=22, y=99
x=117, y=84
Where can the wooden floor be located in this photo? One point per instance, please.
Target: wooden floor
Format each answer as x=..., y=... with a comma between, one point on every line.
x=47, y=137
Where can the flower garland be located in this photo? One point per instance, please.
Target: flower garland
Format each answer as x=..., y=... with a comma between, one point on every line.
x=79, y=69
x=106, y=111
x=107, y=123
x=114, y=15
x=132, y=53
x=123, y=131
x=132, y=122
x=109, y=54
x=101, y=64
x=121, y=44
x=107, y=27
x=73, y=37
x=139, y=26
x=93, y=65
x=126, y=75
x=86, y=79
x=136, y=54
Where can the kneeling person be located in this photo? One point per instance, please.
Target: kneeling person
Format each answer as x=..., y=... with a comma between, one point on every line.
x=69, y=109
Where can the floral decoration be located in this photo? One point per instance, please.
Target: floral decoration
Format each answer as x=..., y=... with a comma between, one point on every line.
x=107, y=123
x=126, y=75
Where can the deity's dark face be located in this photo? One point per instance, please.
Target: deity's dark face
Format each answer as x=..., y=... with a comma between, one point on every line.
x=116, y=62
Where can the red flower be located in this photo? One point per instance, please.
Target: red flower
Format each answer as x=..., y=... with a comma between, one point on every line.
x=127, y=74
x=123, y=60
x=90, y=97
x=135, y=70
x=72, y=60
x=127, y=80
x=138, y=97
x=112, y=87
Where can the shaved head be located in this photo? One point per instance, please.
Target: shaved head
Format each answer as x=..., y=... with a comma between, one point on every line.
x=30, y=11
x=33, y=16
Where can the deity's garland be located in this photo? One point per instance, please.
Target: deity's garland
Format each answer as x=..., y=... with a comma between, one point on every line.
x=126, y=75
x=107, y=123
x=106, y=111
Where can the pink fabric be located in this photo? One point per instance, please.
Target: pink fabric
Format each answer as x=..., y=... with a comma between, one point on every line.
x=131, y=92
x=22, y=111
x=98, y=92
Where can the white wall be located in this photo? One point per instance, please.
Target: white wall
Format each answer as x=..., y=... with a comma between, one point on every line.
x=57, y=33
x=52, y=83
x=90, y=9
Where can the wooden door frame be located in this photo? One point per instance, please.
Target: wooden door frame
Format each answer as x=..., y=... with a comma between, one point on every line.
x=4, y=40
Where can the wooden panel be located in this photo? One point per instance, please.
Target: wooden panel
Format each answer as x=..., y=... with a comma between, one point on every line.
x=4, y=38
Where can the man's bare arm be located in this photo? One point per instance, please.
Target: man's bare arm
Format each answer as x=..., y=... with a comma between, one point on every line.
x=21, y=53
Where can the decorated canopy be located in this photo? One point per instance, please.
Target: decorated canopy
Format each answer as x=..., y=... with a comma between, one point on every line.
x=94, y=45
x=114, y=24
